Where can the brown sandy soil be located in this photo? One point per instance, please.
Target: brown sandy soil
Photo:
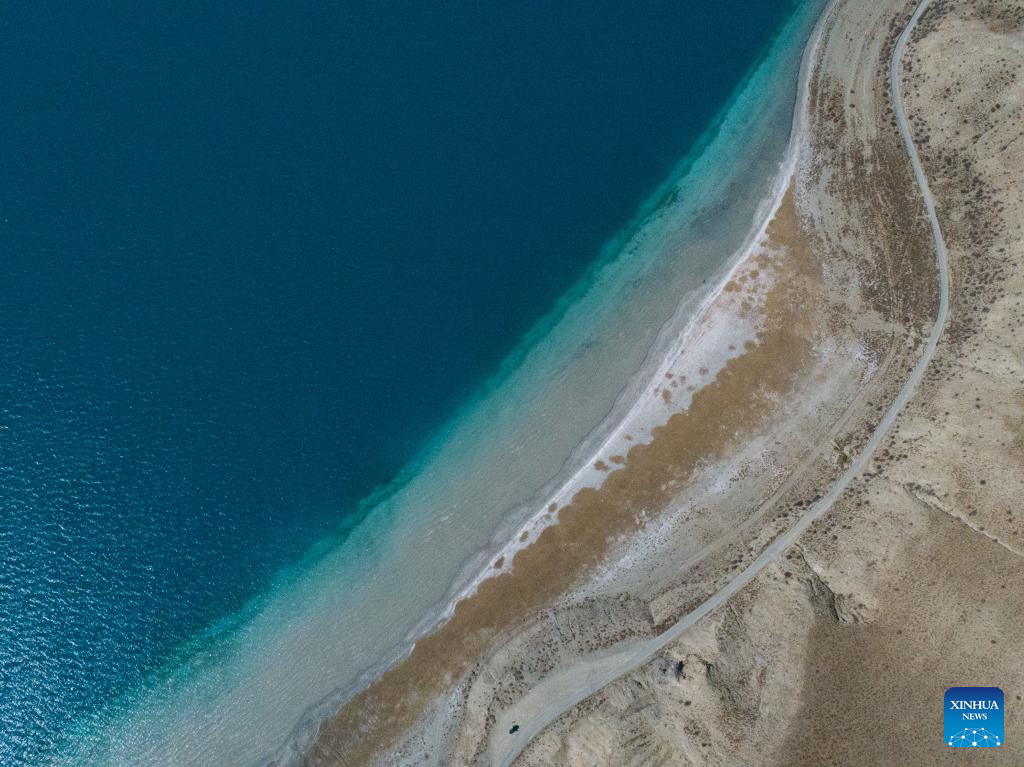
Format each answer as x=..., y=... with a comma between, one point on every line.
x=839, y=653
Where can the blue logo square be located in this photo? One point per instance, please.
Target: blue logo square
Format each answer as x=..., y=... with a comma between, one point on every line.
x=974, y=717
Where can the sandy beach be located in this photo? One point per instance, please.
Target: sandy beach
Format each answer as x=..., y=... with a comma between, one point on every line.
x=779, y=390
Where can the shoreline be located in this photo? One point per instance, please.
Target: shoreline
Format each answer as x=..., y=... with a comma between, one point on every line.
x=651, y=211
x=679, y=344
x=610, y=506
x=673, y=341
x=294, y=581
x=292, y=754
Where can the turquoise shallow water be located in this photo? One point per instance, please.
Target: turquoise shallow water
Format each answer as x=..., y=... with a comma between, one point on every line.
x=254, y=260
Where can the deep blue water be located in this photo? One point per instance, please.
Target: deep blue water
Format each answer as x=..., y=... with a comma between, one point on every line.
x=251, y=257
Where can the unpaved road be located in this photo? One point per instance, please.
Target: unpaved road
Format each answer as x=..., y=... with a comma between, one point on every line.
x=565, y=688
